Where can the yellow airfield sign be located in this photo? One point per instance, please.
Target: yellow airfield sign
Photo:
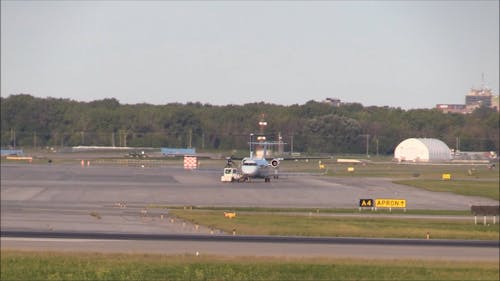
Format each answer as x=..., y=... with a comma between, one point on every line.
x=230, y=214
x=446, y=177
x=366, y=203
x=390, y=203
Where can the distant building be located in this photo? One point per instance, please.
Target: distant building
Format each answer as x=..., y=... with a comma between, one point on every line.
x=479, y=97
x=451, y=108
x=422, y=150
x=474, y=99
x=334, y=102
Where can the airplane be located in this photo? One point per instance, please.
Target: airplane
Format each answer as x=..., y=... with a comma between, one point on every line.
x=259, y=168
x=256, y=167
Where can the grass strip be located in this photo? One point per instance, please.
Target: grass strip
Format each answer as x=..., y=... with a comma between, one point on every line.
x=417, y=171
x=380, y=211
x=19, y=265
x=488, y=189
x=305, y=225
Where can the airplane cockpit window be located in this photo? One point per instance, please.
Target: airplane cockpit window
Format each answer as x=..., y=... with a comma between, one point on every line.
x=249, y=164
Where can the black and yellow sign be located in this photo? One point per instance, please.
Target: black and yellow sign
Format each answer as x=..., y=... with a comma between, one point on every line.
x=366, y=202
x=390, y=203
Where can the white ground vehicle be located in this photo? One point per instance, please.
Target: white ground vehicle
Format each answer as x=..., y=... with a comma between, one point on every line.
x=231, y=175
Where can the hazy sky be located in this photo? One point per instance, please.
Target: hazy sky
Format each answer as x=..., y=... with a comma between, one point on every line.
x=409, y=54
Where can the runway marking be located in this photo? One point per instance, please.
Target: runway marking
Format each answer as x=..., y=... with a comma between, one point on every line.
x=24, y=239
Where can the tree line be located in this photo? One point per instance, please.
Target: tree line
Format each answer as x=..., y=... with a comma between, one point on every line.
x=314, y=127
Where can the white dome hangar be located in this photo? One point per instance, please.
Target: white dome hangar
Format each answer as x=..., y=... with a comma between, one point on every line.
x=422, y=150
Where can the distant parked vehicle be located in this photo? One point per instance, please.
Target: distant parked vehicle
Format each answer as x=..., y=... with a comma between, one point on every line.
x=136, y=154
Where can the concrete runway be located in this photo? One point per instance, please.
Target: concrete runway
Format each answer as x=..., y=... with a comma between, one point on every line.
x=73, y=198
x=256, y=249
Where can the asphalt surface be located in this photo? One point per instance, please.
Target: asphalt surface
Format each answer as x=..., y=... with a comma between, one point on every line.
x=252, y=238
x=174, y=186
x=227, y=245
x=106, y=199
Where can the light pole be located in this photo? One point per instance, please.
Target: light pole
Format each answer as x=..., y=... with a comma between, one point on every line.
x=367, y=143
x=251, y=139
x=377, y=142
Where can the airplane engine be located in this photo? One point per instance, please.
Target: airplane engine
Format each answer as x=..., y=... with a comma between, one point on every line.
x=275, y=163
x=229, y=162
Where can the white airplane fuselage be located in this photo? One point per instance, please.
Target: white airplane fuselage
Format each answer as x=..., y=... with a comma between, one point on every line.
x=255, y=167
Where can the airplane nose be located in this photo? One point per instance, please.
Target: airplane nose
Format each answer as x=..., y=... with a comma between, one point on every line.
x=249, y=170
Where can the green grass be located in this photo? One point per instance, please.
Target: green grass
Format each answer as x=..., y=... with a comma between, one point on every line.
x=489, y=189
x=420, y=171
x=469, y=180
x=255, y=223
x=18, y=265
x=304, y=211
